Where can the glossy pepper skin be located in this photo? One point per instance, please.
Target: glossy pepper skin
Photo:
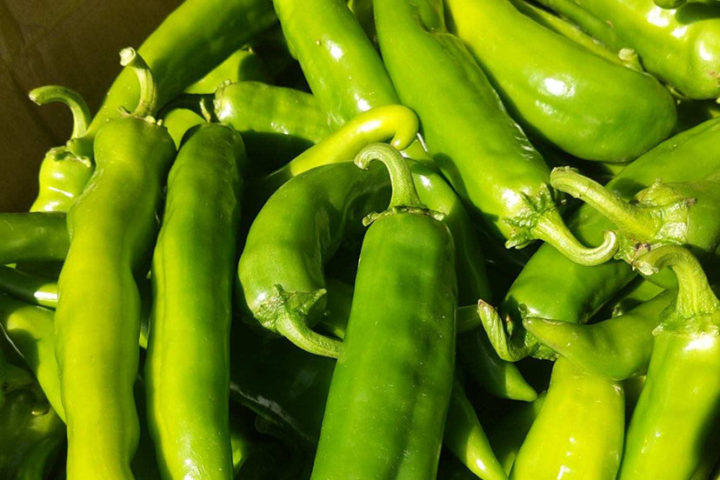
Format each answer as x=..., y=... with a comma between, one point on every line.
x=112, y=227
x=33, y=237
x=553, y=287
x=393, y=379
x=679, y=46
x=579, y=431
x=190, y=326
x=618, y=348
x=590, y=107
x=191, y=41
x=63, y=175
x=663, y=214
x=499, y=173
x=678, y=404
x=33, y=289
x=280, y=270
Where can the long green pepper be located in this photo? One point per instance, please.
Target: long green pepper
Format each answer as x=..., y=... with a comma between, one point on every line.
x=190, y=326
x=499, y=172
x=112, y=227
x=384, y=416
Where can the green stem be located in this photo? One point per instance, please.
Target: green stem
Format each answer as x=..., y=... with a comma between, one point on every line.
x=294, y=327
x=195, y=102
x=74, y=101
x=404, y=193
x=147, y=103
x=627, y=217
x=695, y=297
x=551, y=229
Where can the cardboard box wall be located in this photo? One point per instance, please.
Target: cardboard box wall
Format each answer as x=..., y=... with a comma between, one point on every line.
x=66, y=42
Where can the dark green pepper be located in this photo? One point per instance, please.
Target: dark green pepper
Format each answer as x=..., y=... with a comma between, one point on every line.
x=677, y=410
x=29, y=288
x=588, y=106
x=190, y=326
x=499, y=172
x=384, y=416
x=112, y=226
x=33, y=237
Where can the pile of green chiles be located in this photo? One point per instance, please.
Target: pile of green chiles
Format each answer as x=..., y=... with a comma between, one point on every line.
x=286, y=247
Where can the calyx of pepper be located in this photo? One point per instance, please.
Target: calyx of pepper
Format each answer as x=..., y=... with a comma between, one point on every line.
x=539, y=219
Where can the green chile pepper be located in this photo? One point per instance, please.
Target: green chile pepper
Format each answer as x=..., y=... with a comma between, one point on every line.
x=553, y=287
x=590, y=107
x=662, y=214
x=33, y=289
x=191, y=41
x=618, y=348
x=32, y=437
x=302, y=224
x=112, y=226
x=393, y=379
x=499, y=173
x=63, y=175
x=33, y=237
x=190, y=325
x=677, y=408
x=680, y=46
x=507, y=436
x=579, y=431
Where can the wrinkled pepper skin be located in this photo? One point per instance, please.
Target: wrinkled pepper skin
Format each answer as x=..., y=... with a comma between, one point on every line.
x=579, y=431
x=588, y=106
x=553, y=287
x=618, y=348
x=280, y=270
x=679, y=46
x=191, y=41
x=97, y=322
x=499, y=173
x=678, y=407
x=33, y=237
x=392, y=382
x=190, y=324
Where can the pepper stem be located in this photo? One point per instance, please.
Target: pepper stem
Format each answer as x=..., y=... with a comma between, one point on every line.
x=404, y=193
x=551, y=229
x=74, y=101
x=148, y=88
x=627, y=217
x=294, y=327
x=695, y=297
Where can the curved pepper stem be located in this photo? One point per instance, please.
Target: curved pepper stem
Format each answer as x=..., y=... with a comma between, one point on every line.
x=293, y=326
x=627, y=217
x=199, y=103
x=509, y=345
x=67, y=96
x=551, y=229
x=147, y=103
x=695, y=298
x=404, y=193
x=395, y=123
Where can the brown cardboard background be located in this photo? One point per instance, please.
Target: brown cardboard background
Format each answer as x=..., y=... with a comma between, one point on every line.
x=67, y=42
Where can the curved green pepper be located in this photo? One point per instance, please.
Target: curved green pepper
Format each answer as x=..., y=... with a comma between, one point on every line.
x=392, y=383
x=112, y=226
x=553, y=287
x=617, y=348
x=680, y=46
x=677, y=408
x=499, y=172
x=33, y=237
x=590, y=107
x=662, y=214
x=63, y=175
x=29, y=288
x=281, y=267
x=579, y=431
x=190, y=326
